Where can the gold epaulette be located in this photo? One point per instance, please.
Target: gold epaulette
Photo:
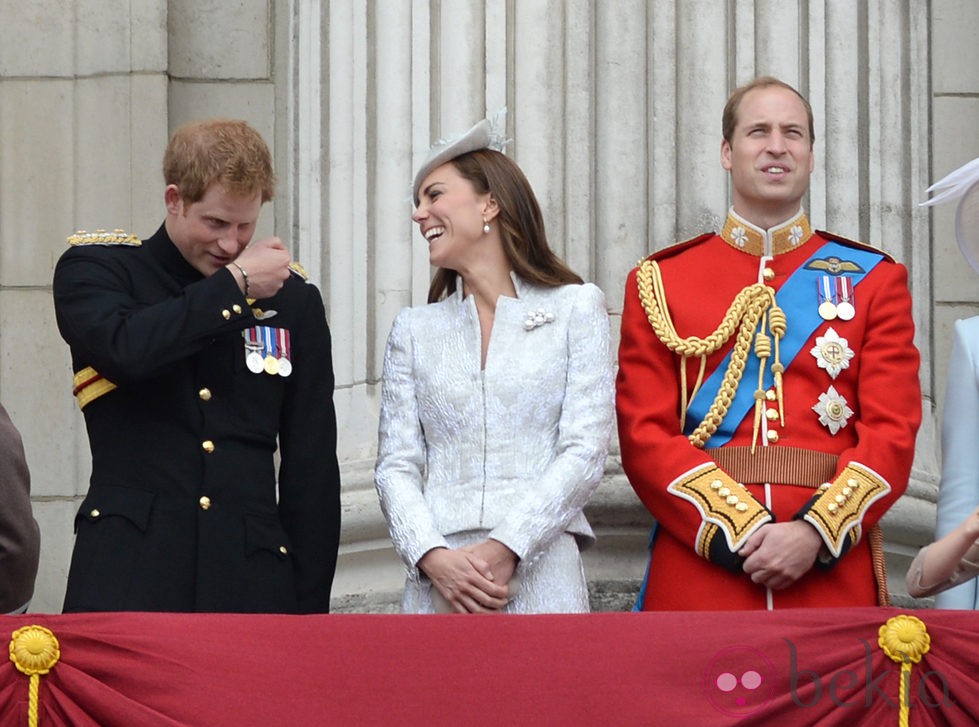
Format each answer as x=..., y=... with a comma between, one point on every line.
x=89, y=385
x=101, y=237
x=675, y=248
x=854, y=243
x=299, y=270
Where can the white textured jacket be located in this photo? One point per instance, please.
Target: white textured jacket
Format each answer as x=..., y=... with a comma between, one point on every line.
x=516, y=449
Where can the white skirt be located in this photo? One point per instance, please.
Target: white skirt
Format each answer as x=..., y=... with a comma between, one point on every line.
x=553, y=582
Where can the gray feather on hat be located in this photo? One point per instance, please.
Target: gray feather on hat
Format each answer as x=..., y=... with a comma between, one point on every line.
x=490, y=133
x=962, y=184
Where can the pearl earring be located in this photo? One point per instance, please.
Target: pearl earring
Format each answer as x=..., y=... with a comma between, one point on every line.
x=486, y=227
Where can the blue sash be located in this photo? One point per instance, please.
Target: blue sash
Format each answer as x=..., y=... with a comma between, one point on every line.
x=797, y=298
x=641, y=597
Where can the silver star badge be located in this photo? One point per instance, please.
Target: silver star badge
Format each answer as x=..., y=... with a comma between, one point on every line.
x=832, y=353
x=833, y=410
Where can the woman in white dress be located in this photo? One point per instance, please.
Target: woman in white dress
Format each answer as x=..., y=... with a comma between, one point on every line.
x=497, y=399
x=948, y=567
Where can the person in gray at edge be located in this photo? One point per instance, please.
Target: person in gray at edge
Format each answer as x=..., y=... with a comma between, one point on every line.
x=20, y=538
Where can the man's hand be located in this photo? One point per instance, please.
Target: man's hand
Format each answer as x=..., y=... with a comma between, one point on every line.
x=780, y=553
x=266, y=262
x=464, y=579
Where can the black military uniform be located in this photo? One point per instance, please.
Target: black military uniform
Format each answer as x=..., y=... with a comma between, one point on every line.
x=182, y=513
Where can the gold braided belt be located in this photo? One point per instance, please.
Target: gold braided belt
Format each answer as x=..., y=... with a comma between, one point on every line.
x=753, y=309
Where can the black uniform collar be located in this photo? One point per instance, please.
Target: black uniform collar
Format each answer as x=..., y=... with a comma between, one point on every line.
x=164, y=250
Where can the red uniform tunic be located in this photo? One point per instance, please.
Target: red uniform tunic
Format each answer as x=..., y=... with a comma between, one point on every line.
x=839, y=461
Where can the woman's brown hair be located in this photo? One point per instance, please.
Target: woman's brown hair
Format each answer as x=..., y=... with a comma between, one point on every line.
x=521, y=223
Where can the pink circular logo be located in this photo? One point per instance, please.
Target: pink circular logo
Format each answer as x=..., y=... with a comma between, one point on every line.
x=739, y=680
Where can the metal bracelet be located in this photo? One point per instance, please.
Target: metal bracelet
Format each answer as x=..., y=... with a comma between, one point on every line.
x=244, y=275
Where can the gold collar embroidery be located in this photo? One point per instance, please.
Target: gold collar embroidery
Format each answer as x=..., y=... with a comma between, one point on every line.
x=746, y=237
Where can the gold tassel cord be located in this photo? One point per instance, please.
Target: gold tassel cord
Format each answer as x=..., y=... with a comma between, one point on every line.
x=905, y=640
x=876, y=540
x=763, y=350
x=696, y=386
x=778, y=325
x=34, y=650
x=740, y=321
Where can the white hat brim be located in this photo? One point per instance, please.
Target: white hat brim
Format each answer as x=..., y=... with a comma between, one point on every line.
x=967, y=225
x=478, y=137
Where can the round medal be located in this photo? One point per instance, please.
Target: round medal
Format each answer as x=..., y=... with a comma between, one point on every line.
x=827, y=310
x=832, y=353
x=255, y=362
x=285, y=366
x=271, y=365
x=845, y=310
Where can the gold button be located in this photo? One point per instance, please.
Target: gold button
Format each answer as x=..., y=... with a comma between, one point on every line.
x=741, y=507
x=205, y=394
x=283, y=549
x=771, y=415
x=831, y=507
x=207, y=445
x=724, y=491
x=95, y=513
x=770, y=395
x=236, y=308
x=732, y=500
x=205, y=502
x=716, y=485
x=772, y=435
x=226, y=314
x=768, y=274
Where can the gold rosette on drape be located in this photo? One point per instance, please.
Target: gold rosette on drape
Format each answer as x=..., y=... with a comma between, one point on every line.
x=34, y=651
x=904, y=639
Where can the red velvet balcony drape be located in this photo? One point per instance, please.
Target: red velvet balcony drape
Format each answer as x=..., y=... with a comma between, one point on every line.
x=797, y=667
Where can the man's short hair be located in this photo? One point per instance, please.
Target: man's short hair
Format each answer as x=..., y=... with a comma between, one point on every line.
x=730, y=117
x=226, y=151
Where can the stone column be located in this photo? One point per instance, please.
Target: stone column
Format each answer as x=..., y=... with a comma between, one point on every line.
x=83, y=125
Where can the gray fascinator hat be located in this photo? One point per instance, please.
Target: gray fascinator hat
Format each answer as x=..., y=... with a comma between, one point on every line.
x=490, y=133
x=962, y=185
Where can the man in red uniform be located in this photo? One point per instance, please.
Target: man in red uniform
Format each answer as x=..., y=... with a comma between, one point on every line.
x=767, y=394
